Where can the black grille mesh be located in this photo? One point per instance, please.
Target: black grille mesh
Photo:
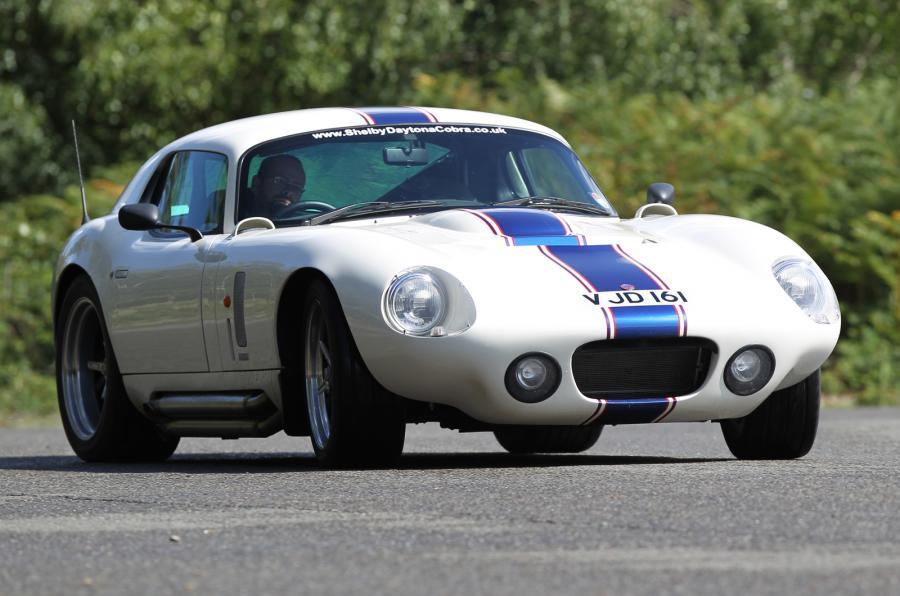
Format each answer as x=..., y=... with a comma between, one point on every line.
x=629, y=369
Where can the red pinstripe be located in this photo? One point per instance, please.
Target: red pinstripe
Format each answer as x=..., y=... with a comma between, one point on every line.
x=679, y=310
x=672, y=401
x=601, y=407
x=565, y=224
x=646, y=270
x=491, y=224
x=584, y=282
x=428, y=114
x=363, y=115
x=680, y=321
x=611, y=331
x=684, y=318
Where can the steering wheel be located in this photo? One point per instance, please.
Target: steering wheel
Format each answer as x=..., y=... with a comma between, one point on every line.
x=315, y=206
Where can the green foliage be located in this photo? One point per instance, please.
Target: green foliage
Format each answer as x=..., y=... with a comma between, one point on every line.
x=32, y=231
x=25, y=151
x=137, y=74
x=781, y=112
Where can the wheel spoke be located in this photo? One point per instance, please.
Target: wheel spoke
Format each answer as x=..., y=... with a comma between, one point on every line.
x=326, y=355
x=318, y=375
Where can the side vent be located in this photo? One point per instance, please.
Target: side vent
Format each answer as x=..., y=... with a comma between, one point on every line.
x=240, y=330
x=230, y=339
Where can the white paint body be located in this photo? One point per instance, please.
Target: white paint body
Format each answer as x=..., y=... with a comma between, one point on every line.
x=168, y=328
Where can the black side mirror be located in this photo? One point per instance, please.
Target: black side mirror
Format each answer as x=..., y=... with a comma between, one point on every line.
x=144, y=216
x=661, y=192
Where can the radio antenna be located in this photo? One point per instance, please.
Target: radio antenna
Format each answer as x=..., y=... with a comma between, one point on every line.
x=84, y=213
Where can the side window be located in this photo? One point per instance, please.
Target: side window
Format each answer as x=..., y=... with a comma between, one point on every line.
x=193, y=191
x=549, y=174
x=514, y=176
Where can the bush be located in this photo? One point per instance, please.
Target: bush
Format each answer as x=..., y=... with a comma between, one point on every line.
x=26, y=151
x=33, y=229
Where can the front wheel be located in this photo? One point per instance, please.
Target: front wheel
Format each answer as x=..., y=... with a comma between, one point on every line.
x=783, y=427
x=353, y=420
x=100, y=422
x=560, y=439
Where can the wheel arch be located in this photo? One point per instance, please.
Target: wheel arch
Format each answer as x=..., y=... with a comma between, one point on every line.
x=68, y=275
x=290, y=351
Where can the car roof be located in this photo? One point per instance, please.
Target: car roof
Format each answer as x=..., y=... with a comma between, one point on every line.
x=238, y=136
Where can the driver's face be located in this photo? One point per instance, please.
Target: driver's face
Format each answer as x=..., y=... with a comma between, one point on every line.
x=281, y=183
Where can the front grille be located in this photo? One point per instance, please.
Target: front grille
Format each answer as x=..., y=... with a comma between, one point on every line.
x=638, y=368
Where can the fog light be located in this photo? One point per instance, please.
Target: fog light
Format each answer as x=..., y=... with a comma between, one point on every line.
x=746, y=366
x=749, y=370
x=532, y=377
x=531, y=373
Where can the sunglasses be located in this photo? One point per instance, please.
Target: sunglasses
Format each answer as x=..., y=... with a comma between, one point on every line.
x=288, y=184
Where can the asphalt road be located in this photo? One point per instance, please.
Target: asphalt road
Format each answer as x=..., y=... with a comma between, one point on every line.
x=649, y=510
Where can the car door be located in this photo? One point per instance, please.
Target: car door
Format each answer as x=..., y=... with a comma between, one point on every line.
x=156, y=322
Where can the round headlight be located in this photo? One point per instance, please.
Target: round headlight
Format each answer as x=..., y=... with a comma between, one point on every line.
x=808, y=287
x=416, y=303
x=749, y=369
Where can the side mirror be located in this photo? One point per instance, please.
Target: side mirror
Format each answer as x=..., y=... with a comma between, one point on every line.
x=141, y=216
x=661, y=192
x=144, y=216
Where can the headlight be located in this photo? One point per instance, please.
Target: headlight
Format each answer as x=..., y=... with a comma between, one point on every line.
x=808, y=287
x=416, y=302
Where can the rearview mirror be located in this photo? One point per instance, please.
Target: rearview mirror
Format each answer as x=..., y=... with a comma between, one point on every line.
x=145, y=216
x=405, y=156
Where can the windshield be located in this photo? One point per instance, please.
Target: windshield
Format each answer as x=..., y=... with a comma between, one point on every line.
x=295, y=179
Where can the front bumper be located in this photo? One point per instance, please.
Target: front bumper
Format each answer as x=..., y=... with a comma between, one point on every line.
x=467, y=371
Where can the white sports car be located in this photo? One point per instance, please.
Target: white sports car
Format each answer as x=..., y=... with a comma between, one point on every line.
x=339, y=273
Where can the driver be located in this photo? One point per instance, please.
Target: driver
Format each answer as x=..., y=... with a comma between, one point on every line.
x=279, y=183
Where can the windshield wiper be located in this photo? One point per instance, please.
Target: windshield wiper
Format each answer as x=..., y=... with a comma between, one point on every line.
x=358, y=209
x=551, y=203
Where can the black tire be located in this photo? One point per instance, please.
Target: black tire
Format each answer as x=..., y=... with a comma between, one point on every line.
x=543, y=439
x=365, y=423
x=100, y=421
x=783, y=427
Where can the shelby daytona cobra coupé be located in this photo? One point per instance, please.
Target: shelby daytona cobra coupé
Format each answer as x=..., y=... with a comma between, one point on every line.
x=339, y=273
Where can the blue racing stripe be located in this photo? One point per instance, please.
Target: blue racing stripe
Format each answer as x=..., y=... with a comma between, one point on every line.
x=633, y=411
x=645, y=321
x=545, y=240
x=396, y=115
x=527, y=222
x=606, y=269
x=609, y=271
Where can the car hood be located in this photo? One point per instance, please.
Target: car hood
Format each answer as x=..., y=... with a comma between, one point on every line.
x=717, y=269
x=703, y=249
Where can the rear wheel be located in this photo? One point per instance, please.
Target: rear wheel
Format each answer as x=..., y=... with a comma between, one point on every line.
x=560, y=439
x=99, y=420
x=783, y=427
x=353, y=420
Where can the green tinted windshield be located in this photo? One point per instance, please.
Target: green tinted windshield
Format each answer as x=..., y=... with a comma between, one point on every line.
x=302, y=176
